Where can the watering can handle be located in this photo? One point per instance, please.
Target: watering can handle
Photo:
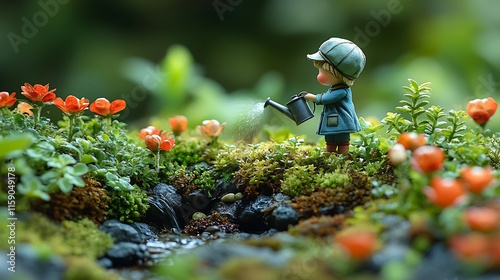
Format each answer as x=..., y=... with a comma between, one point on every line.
x=302, y=93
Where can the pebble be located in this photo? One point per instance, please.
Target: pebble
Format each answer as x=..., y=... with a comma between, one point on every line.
x=231, y=197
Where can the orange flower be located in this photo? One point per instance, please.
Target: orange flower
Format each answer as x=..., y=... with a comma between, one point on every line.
x=38, y=93
x=72, y=105
x=412, y=140
x=103, y=107
x=427, y=159
x=178, y=123
x=150, y=130
x=211, y=128
x=7, y=100
x=358, y=243
x=476, y=178
x=481, y=110
x=25, y=109
x=444, y=192
x=157, y=142
x=481, y=218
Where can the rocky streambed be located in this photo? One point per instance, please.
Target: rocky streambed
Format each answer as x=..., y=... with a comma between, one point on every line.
x=262, y=238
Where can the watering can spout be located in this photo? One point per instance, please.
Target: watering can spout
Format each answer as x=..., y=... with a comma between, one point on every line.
x=284, y=110
x=296, y=109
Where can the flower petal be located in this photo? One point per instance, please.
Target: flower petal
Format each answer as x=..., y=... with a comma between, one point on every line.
x=116, y=106
x=100, y=106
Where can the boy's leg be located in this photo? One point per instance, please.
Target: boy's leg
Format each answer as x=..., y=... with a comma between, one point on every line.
x=337, y=143
x=343, y=147
x=331, y=147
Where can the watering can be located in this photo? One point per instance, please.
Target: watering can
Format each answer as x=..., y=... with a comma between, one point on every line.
x=296, y=109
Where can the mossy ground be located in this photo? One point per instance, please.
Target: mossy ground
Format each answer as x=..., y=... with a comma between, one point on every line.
x=362, y=186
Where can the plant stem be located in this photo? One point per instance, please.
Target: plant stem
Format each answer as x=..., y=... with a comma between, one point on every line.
x=36, y=115
x=70, y=127
x=108, y=123
x=157, y=158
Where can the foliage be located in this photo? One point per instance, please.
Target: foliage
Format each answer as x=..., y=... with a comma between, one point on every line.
x=128, y=205
x=49, y=164
x=103, y=160
x=81, y=238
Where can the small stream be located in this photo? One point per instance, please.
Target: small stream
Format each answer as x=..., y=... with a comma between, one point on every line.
x=159, y=250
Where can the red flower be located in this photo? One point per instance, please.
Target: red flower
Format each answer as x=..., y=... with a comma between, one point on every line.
x=427, y=159
x=476, y=178
x=150, y=130
x=211, y=128
x=7, y=100
x=444, y=192
x=481, y=218
x=72, y=105
x=178, y=123
x=157, y=142
x=481, y=110
x=412, y=140
x=103, y=107
x=358, y=243
x=38, y=93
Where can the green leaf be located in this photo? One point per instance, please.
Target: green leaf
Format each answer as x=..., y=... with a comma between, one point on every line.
x=61, y=161
x=111, y=177
x=72, y=148
x=13, y=143
x=75, y=180
x=80, y=169
x=48, y=176
x=65, y=184
x=86, y=158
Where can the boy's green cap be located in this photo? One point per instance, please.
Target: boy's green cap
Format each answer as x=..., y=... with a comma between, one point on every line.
x=342, y=54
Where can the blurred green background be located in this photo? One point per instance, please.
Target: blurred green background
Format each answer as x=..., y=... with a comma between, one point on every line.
x=221, y=59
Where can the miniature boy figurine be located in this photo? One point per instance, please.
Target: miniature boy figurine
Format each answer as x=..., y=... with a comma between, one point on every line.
x=339, y=62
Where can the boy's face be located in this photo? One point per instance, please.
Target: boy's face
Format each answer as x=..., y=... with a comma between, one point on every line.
x=326, y=78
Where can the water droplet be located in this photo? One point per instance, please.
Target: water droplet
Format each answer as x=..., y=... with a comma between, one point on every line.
x=247, y=120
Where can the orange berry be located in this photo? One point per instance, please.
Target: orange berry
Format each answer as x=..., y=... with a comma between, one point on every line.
x=481, y=218
x=359, y=244
x=427, y=159
x=477, y=178
x=412, y=140
x=444, y=192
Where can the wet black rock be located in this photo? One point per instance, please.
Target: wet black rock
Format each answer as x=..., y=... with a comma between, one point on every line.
x=129, y=248
x=121, y=232
x=224, y=186
x=229, y=210
x=167, y=208
x=127, y=254
x=146, y=232
x=283, y=216
x=252, y=217
x=199, y=200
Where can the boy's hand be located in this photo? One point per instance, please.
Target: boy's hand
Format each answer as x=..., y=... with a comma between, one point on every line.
x=310, y=96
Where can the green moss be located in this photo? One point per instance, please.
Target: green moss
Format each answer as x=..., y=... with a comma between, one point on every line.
x=189, y=151
x=68, y=238
x=298, y=180
x=127, y=205
x=85, y=269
